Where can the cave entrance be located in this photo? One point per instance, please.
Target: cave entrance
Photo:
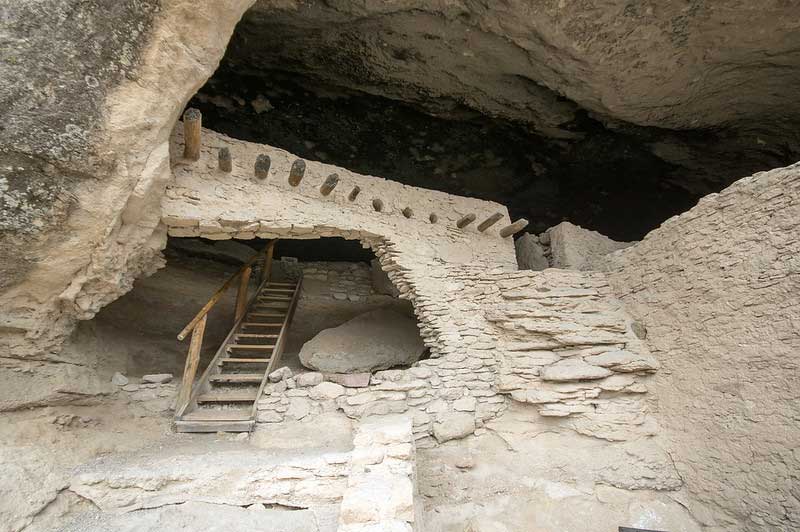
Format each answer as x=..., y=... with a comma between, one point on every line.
x=346, y=319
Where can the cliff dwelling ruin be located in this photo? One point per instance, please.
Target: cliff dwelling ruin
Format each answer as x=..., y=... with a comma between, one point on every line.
x=338, y=266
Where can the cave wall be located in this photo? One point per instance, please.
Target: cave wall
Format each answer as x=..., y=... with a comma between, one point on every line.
x=717, y=289
x=91, y=91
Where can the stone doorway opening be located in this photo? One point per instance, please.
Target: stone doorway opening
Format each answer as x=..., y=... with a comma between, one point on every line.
x=136, y=334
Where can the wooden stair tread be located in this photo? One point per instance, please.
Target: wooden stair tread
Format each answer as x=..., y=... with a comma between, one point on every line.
x=227, y=397
x=205, y=414
x=252, y=346
x=233, y=383
x=237, y=377
x=245, y=360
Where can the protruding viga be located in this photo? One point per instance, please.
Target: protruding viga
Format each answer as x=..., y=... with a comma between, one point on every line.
x=329, y=184
x=262, y=165
x=225, y=161
x=297, y=172
x=516, y=227
x=465, y=221
x=192, y=124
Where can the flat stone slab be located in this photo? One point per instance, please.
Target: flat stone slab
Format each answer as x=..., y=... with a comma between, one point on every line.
x=379, y=339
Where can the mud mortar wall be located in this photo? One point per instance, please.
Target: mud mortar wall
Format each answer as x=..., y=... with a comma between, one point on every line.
x=717, y=289
x=486, y=324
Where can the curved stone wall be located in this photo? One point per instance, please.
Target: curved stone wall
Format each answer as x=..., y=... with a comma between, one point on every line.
x=555, y=339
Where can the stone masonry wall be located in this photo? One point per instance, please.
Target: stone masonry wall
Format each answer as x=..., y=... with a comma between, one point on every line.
x=718, y=290
x=351, y=281
x=462, y=284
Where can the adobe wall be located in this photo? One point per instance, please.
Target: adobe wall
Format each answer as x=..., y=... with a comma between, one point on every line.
x=556, y=339
x=718, y=289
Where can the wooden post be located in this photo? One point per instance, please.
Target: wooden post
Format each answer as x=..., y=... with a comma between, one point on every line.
x=516, y=227
x=354, y=193
x=296, y=172
x=192, y=361
x=225, y=162
x=192, y=123
x=490, y=221
x=407, y=212
x=266, y=271
x=329, y=184
x=262, y=165
x=465, y=221
x=241, y=295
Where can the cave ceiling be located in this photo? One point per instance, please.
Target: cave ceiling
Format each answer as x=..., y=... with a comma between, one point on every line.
x=611, y=114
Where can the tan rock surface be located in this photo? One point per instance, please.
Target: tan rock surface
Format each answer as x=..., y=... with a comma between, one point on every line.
x=717, y=290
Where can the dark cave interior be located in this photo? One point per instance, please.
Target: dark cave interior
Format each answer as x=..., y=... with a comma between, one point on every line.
x=620, y=179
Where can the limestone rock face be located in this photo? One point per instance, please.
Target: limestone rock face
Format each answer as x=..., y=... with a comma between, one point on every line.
x=376, y=340
x=575, y=248
x=222, y=250
x=530, y=254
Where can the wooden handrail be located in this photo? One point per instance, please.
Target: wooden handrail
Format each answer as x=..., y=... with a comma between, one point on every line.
x=218, y=294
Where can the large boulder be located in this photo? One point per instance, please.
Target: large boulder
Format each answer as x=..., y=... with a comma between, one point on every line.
x=574, y=248
x=379, y=339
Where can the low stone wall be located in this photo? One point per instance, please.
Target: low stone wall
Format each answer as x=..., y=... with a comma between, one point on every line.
x=381, y=486
x=371, y=487
x=342, y=281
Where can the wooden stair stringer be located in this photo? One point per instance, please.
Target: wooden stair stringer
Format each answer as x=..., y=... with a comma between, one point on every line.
x=191, y=418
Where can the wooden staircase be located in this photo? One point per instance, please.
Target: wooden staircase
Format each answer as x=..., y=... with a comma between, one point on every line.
x=225, y=398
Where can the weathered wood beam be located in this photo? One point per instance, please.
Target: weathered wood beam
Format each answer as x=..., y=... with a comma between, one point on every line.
x=192, y=361
x=433, y=218
x=516, y=227
x=330, y=183
x=262, y=165
x=407, y=212
x=354, y=193
x=377, y=204
x=241, y=294
x=490, y=221
x=296, y=172
x=465, y=221
x=192, y=124
x=225, y=161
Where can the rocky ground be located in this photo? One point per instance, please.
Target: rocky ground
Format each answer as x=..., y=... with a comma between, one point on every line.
x=117, y=466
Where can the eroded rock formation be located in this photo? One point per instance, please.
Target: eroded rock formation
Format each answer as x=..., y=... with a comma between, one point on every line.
x=685, y=96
